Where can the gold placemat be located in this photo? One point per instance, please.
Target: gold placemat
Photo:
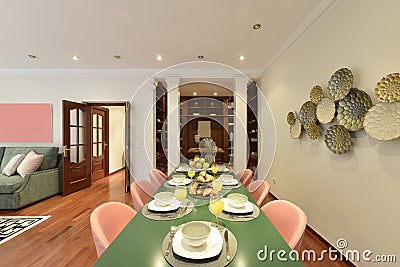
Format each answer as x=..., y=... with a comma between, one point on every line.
x=218, y=261
x=240, y=218
x=187, y=207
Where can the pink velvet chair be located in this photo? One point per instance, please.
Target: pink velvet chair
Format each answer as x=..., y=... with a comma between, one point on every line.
x=141, y=191
x=258, y=190
x=245, y=177
x=157, y=177
x=107, y=221
x=288, y=219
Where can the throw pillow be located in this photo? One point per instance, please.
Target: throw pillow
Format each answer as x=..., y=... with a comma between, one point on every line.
x=30, y=164
x=12, y=165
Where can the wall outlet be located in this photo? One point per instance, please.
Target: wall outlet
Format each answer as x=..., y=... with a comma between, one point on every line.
x=274, y=180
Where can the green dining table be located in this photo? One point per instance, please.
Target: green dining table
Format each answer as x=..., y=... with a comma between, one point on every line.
x=140, y=242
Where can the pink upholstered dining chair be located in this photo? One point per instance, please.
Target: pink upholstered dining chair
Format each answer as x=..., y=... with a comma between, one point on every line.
x=288, y=219
x=141, y=191
x=157, y=177
x=107, y=221
x=258, y=190
x=245, y=177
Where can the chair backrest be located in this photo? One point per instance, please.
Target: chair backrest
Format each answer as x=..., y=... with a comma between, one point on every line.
x=288, y=219
x=258, y=190
x=157, y=177
x=107, y=221
x=141, y=191
x=245, y=177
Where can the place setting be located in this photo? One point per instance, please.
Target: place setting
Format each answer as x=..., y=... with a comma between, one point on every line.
x=228, y=182
x=179, y=179
x=199, y=243
x=168, y=205
x=236, y=207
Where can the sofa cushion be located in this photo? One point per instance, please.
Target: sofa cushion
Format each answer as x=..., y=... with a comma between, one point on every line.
x=10, y=184
x=11, y=166
x=49, y=155
x=31, y=163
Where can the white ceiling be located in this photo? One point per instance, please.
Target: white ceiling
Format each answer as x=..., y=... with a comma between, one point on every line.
x=180, y=30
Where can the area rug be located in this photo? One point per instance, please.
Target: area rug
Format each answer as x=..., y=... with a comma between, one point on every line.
x=12, y=226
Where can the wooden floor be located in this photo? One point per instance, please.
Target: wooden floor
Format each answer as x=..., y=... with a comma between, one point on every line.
x=66, y=240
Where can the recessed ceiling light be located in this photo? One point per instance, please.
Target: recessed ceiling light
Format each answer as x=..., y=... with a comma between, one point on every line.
x=194, y=93
x=215, y=93
x=256, y=26
x=117, y=57
x=200, y=57
x=75, y=57
x=32, y=56
x=159, y=57
x=241, y=57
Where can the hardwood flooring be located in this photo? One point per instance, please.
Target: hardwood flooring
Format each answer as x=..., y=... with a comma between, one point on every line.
x=66, y=240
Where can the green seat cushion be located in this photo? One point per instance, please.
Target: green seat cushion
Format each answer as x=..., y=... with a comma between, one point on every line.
x=49, y=155
x=8, y=184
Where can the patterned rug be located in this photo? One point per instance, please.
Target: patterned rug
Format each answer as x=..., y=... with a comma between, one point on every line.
x=11, y=226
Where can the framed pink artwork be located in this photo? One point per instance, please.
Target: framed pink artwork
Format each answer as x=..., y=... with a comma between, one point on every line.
x=26, y=123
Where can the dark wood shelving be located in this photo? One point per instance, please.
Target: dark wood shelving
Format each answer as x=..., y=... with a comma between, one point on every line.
x=161, y=114
x=252, y=125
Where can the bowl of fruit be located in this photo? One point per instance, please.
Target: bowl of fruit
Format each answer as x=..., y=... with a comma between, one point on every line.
x=199, y=164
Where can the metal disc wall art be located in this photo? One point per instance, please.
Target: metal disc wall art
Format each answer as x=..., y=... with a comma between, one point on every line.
x=382, y=121
x=291, y=117
x=388, y=88
x=326, y=110
x=307, y=114
x=352, y=108
x=316, y=94
x=339, y=84
x=337, y=139
x=314, y=131
x=295, y=129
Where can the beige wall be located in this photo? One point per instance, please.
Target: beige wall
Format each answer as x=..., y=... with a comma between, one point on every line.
x=116, y=138
x=356, y=195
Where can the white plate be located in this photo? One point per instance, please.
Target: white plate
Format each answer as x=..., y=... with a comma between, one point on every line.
x=175, y=204
x=185, y=182
x=248, y=207
x=182, y=169
x=211, y=248
x=232, y=182
x=219, y=171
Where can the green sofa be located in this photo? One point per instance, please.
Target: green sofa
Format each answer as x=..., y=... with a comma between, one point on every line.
x=17, y=192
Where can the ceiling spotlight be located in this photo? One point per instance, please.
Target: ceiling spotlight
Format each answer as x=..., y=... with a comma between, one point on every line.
x=200, y=57
x=32, y=56
x=117, y=57
x=74, y=57
x=241, y=58
x=215, y=93
x=159, y=57
x=256, y=26
x=194, y=93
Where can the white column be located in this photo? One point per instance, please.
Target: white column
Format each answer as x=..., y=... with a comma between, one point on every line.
x=173, y=147
x=240, y=157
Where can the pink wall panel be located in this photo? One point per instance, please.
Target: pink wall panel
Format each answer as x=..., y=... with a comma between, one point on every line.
x=25, y=123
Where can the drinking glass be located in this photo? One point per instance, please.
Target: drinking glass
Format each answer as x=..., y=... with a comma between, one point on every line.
x=216, y=205
x=216, y=186
x=191, y=173
x=180, y=194
x=214, y=169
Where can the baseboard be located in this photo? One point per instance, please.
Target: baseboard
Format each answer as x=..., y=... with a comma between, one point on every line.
x=324, y=241
x=123, y=168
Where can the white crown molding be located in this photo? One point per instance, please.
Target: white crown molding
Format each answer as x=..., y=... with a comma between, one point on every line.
x=226, y=72
x=318, y=13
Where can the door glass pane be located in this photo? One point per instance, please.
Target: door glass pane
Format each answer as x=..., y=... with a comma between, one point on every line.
x=94, y=135
x=73, y=135
x=100, y=135
x=74, y=154
x=72, y=117
x=100, y=149
x=94, y=120
x=81, y=153
x=81, y=118
x=94, y=150
x=82, y=136
x=100, y=121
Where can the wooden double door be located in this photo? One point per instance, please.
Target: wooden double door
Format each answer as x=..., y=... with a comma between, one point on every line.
x=85, y=145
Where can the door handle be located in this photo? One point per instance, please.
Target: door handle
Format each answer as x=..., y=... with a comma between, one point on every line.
x=65, y=149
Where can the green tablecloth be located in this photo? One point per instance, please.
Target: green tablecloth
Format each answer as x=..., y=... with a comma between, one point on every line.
x=139, y=244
